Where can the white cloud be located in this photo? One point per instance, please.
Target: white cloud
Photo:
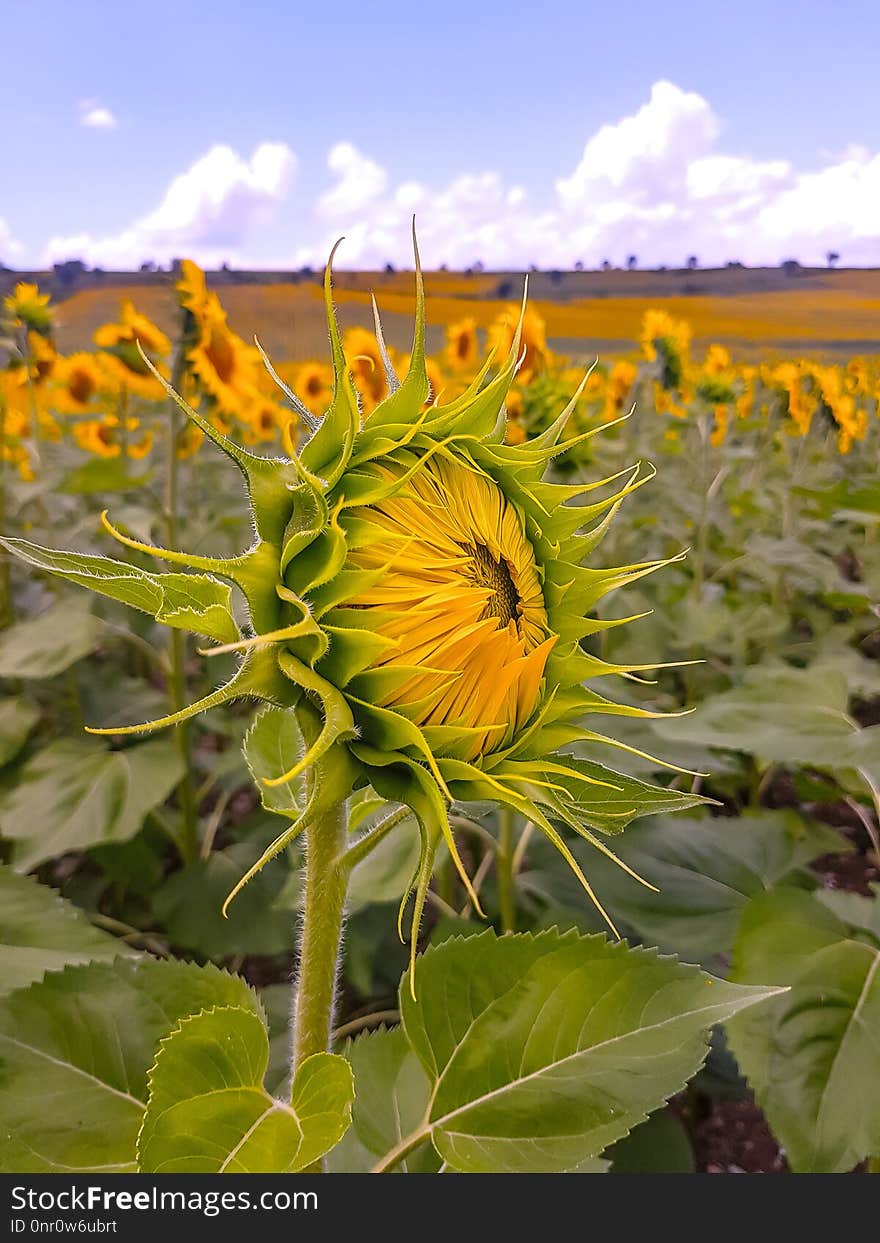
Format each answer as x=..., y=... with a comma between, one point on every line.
x=360, y=181
x=94, y=115
x=207, y=213
x=9, y=247
x=658, y=183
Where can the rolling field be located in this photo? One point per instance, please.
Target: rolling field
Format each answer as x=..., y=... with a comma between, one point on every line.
x=757, y=313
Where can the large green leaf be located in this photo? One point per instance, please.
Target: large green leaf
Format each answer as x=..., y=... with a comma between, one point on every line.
x=783, y=715
x=543, y=1050
x=705, y=870
x=77, y=793
x=40, y=932
x=75, y=1050
x=208, y=1112
x=44, y=646
x=17, y=719
x=391, y=1096
x=194, y=602
x=813, y=1056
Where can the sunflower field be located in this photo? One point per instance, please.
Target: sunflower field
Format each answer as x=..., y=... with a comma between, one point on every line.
x=463, y=760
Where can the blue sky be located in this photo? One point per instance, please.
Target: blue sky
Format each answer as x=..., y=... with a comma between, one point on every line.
x=762, y=140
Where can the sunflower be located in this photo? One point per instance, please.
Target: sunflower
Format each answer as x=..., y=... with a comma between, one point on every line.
x=131, y=330
x=29, y=309
x=621, y=379
x=42, y=357
x=531, y=334
x=666, y=341
x=79, y=381
x=367, y=370
x=417, y=595
x=222, y=365
x=462, y=344
x=314, y=386
x=123, y=346
x=98, y=437
x=192, y=288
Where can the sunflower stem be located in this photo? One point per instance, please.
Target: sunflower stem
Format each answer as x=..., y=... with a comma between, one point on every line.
x=504, y=865
x=177, y=643
x=326, y=885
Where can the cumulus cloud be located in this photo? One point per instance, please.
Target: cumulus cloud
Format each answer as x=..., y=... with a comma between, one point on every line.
x=360, y=181
x=207, y=213
x=658, y=183
x=94, y=115
x=8, y=244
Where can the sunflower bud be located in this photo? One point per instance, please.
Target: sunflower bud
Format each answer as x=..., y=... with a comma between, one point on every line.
x=418, y=594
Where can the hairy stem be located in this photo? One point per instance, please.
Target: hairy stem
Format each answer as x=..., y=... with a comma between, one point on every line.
x=189, y=835
x=326, y=879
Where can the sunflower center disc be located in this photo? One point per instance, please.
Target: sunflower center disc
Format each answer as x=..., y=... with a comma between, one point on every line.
x=486, y=571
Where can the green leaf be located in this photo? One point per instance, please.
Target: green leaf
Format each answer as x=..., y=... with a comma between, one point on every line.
x=543, y=1050
x=194, y=602
x=705, y=870
x=102, y=475
x=40, y=932
x=44, y=646
x=391, y=1096
x=272, y=746
x=77, y=793
x=783, y=715
x=260, y=920
x=208, y=1112
x=660, y=1145
x=75, y=1050
x=17, y=719
x=812, y=1057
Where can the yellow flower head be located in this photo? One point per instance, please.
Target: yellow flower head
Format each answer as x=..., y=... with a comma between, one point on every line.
x=417, y=595
x=192, y=288
x=123, y=345
x=621, y=378
x=79, y=380
x=365, y=361
x=224, y=367
x=314, y=386
x=461, y=344
x=666, y=341
x=532, y=337
x=28, y=308
x=41, y=357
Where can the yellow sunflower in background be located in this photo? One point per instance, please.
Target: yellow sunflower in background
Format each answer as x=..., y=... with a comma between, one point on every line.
x=78, y=382
x=192, y=288
x=621, y=379
x=224, y=368
x=29, y=309
x=533, y=340
x=42, y=357
x=121, y=357
x=462, y=346
x=666, y=341
x=313, y=384
x=364, y=358
x=109, y=438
